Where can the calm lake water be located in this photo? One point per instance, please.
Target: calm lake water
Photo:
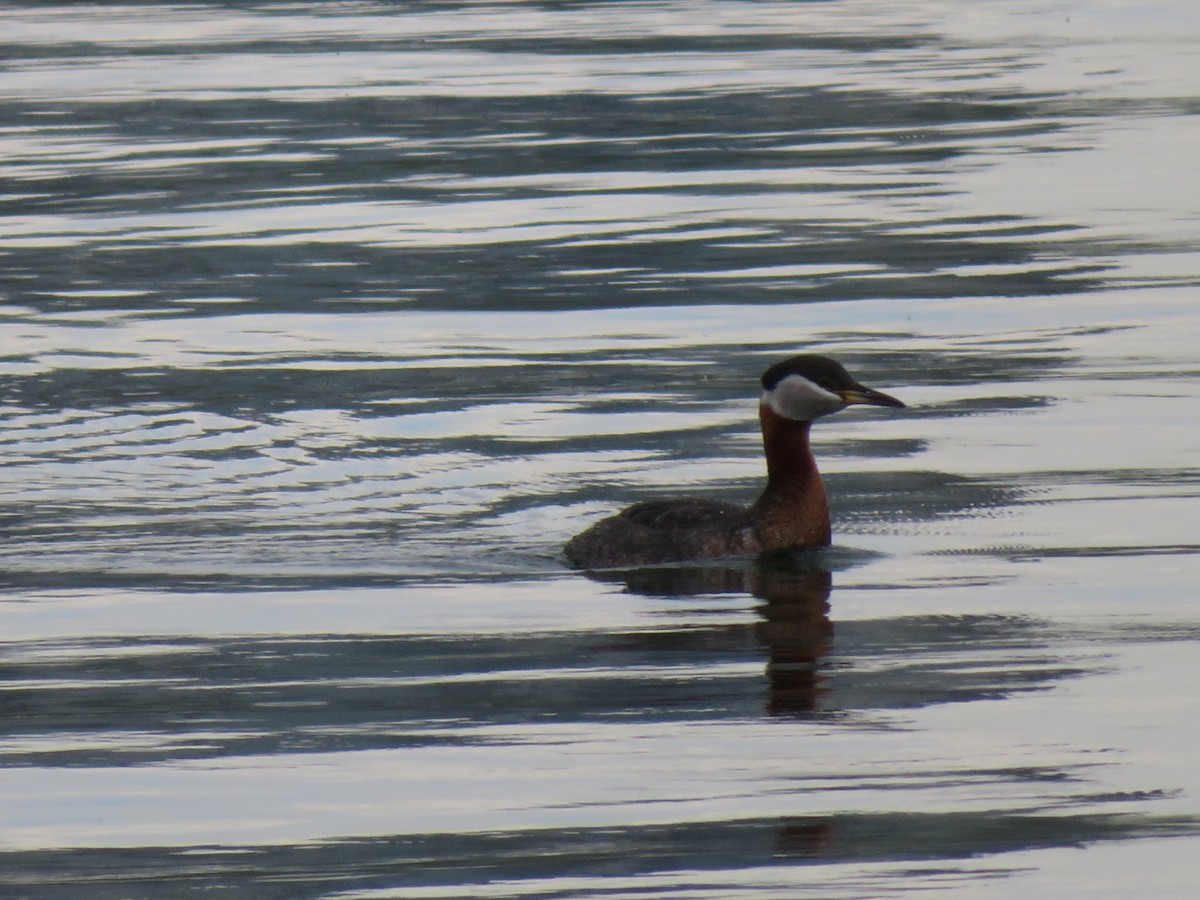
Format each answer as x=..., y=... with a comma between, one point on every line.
x=323, y=325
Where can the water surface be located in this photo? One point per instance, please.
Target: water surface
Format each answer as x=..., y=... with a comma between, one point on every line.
x=323, y=326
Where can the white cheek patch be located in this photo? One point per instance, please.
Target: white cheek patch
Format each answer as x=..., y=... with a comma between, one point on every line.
x=795, y=397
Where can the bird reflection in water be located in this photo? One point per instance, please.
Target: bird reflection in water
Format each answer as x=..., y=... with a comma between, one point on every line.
x=794, y=630
x=794, y=627
x=797, y=634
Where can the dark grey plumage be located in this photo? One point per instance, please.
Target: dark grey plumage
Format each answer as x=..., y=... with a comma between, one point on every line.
x=658, y=531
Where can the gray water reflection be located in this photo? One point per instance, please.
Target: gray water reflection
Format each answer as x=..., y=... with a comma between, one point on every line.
x=148, y=702
x=374, y=304
x=673, y=860
x=651, y=184
x=160, y=699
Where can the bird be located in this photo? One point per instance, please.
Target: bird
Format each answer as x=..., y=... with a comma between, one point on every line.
x=791, y=512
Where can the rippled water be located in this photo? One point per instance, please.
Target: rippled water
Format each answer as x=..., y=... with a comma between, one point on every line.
x=324, y=324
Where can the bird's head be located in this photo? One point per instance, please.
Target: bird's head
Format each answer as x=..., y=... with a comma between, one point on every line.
x=808, y=386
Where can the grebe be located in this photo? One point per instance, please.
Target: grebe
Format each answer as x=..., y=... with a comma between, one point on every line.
x=792, y=510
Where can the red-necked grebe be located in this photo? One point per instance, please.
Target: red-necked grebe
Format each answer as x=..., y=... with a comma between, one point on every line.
x=792, y=510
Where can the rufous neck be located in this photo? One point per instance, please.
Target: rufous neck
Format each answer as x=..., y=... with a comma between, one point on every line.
x=790, y=460
x=792, y=510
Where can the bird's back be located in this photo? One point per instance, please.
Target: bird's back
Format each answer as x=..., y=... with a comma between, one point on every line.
x=659, y=531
